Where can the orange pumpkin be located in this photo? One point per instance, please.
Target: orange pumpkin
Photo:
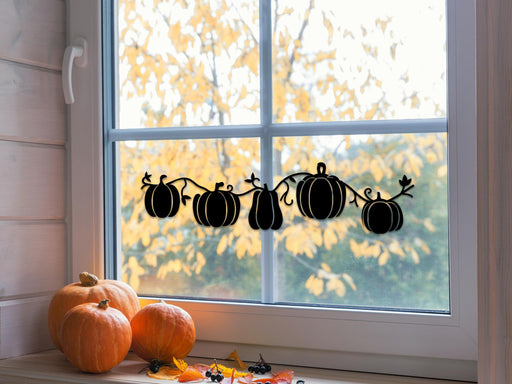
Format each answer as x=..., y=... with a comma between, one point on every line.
x=90, y=289
x=95, y=337
x=162, y=331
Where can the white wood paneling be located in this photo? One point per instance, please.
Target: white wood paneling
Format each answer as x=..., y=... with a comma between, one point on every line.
x=32, y=256
x=31, y=104
x=33, y=31
x=32, y=169
x=24, y=326
x=33, y=181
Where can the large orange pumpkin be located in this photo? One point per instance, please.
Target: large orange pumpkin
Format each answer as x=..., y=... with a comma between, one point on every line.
x=90, y=289
x=95, y=337
x=162, y=331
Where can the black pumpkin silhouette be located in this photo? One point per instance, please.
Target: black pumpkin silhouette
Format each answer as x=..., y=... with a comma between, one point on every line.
x=162, y=200
x=321, y=196
x=382, y=216
x=265, y=212
x=216, y=208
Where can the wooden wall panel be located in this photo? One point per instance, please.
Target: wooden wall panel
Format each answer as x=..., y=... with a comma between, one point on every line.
x=31, y=104
x=32, y=256
x=33, y=31
x=494, y=143
x=24, y=326
x=33, y=181
x=32, y=169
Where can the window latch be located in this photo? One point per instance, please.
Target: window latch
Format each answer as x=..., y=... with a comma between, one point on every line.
x=74, y=54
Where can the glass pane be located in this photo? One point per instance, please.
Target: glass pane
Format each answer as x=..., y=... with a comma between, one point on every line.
x=188, y=63
x=358, y=60
x=175, y=255
x=338, y=261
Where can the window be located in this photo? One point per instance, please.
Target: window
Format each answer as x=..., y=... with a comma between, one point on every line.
x=252, y=122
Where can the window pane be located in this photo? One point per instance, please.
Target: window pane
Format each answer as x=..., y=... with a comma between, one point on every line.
x=174, y=255
x=188, y=63
x=337, y=261
x=358, y=60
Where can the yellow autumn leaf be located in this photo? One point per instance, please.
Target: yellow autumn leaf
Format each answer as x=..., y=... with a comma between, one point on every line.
x=415, y=256
x=383, y=258
x=349, y=280
x=228, y=371
x=431, y=157
x=174, y=266
x=325, y=267
x=376, y=170
x=442, y=171
x=134, y=281
x=221, y=247
x=330, y=29
x=253, y=61
x=428, y=224
x=316, y=236
x=308, y=252
x=146, y=239
x=151, y=259
x=180, y=364
x=336, y=285
x=200, y=262
x=329, y=238
x=414, y=165
x=162, y=272
x=315, y=285
x=355, y=248
x=422, y=244
x=396, y=249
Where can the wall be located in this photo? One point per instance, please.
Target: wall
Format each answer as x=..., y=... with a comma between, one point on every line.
x=494, y=110
x=32, y=170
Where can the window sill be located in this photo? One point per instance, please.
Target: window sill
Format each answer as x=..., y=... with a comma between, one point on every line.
x=52, y=367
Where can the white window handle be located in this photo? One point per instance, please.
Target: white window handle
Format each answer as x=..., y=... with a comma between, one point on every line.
x=76, y=51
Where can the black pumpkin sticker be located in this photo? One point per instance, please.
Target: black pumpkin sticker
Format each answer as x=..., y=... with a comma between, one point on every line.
x=321, y=196
x=382, y=216
x=265, y=212
x=162, y=200
x=216, y=208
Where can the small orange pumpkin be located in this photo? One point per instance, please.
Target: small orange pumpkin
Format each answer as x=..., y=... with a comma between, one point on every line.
x=90, y=289
x=162, y=331
x=95, y=337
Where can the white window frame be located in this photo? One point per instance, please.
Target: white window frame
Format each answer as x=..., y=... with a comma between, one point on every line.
x=420, y=344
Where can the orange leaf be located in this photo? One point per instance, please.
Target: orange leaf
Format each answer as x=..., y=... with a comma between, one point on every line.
x=231, y=380
x=165, y=373
x=234, y=356
x=190, y=374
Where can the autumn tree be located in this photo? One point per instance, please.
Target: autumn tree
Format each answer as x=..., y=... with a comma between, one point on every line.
x=196, y=63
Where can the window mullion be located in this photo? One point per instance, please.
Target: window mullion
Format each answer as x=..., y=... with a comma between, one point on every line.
x=266, y=151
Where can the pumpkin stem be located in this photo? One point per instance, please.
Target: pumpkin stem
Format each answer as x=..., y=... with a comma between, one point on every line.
x=88, y=279
x=321, y=168
x=103, y=304
x=218, y=185
x=378, y=196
